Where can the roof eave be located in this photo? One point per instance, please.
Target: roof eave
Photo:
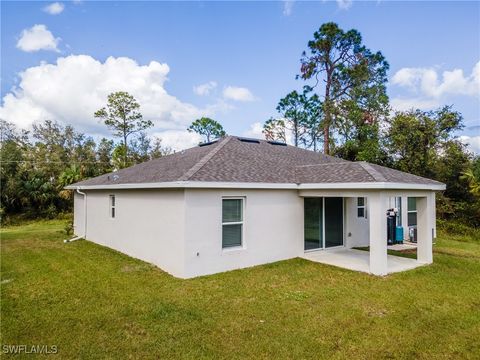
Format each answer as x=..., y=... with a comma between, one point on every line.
x=373, y=185
x=185, y=184
x=245, y=185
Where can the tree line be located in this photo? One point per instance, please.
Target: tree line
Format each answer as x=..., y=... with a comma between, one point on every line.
x=342, y=109
x=36, y=165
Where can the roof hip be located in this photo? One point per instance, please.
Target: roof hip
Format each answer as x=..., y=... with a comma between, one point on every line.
x=373, y=173
x=193, y=170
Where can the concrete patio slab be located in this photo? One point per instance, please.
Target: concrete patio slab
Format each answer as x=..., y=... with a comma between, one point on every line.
x=359, y=260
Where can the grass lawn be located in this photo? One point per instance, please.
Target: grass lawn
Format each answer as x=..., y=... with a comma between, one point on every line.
x=93, y=302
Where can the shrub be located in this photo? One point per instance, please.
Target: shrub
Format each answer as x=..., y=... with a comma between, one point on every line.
x=457, y=228
x=68, y=228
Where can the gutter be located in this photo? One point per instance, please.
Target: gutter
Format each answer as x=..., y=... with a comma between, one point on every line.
x=84, y=236
x=245, y=185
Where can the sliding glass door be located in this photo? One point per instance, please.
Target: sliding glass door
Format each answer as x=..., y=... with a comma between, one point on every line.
x=323, y=222
x=313, y=220
x=333, y=221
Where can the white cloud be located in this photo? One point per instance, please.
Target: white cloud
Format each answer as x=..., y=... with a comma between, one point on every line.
x=38, y=37
x=179, y=139
x=54, y=8
x=74, y=87
x=237, y=93
x=472, y=141
x=344, y=4
x=404, y=104
x=288, y=7
x=255, y=131
x=205, y=89
x=427, y=88
x=427, y=82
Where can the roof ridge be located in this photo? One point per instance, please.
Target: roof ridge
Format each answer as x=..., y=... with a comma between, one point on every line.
x=204, y=160
x=377, y=176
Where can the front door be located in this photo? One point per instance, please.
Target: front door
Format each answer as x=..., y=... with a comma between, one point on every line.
x=323, y=222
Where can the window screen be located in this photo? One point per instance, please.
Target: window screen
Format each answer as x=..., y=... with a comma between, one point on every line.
x=112, y=206
x=412, y=211
x=232, y=222
x=412, y=204
x=398, y=205
x=361, y=207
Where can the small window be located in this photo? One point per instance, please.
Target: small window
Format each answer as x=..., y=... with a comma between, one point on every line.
x=361, y=207
x=412, y=211
x=112, y=206
x=398, y=205
x=232, y=222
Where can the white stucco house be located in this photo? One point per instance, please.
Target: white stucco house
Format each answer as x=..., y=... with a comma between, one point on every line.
x=239, y=202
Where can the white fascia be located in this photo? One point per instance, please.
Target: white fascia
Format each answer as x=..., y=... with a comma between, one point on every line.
x=372, y=185
x=187, y=184
x=242, y=185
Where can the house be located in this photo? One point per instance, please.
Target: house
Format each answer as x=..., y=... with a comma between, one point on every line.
x=239, y=202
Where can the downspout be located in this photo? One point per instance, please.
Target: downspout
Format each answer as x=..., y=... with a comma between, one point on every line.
x=84, y=236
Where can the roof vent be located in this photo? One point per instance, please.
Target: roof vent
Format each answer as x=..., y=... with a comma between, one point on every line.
x=279, y=143
x=208, y=143
x=249, y=140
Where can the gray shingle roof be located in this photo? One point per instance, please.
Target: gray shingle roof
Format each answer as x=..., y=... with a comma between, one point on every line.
x=234, y=159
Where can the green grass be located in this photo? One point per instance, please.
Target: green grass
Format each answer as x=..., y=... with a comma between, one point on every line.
x=93, y=302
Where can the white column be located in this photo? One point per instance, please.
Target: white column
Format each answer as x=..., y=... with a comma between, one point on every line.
x=405, y=216
x=377, y=219
x=433, y=204
x=424, y=230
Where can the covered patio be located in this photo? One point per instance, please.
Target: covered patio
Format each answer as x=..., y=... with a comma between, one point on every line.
x=365, y=225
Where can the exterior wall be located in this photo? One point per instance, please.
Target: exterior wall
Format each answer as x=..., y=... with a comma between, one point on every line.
x=180, y=231
x=356, y=229
x=148, y=225
x=273, y=229
x=78, y=214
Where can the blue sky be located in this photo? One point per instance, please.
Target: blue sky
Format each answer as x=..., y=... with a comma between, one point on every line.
x=246, y=52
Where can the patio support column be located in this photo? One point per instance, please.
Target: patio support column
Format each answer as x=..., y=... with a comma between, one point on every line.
x=377, y=219
x=405, y=216
x=424, y=229
x=433, y=211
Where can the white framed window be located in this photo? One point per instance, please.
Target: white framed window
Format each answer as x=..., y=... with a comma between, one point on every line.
x=412, y=211
x=398, y=205
x=112, y=206
x=362, y=207
x=232, y=222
